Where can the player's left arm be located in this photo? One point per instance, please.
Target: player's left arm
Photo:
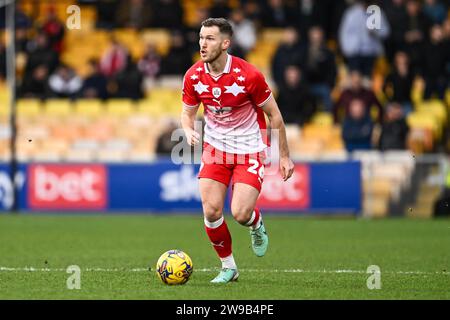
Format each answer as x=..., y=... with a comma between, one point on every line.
x=272, y=111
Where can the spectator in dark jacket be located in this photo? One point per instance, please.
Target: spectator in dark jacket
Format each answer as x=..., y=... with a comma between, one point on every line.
x=357, y=127
x=220, y=8
x=2, y=61
x=36, y=85
x=136, y=14
x=394, y=130
x=319, y=67
x=130, y=81
x=435, y=10
x=168, y=13
x=357, y=91
x=276, y=14
x=39, y=53
x=95, y=85
x=396, y=15
x=415, y=32
x=178, y=60
x=288, y=53
x=435, y=59
x=398, y=84
x=297, y=104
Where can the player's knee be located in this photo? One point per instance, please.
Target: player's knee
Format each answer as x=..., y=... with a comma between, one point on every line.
x=212, y=212
x=242, y=215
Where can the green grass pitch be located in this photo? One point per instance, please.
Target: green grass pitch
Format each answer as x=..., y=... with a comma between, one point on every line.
x=308, y=258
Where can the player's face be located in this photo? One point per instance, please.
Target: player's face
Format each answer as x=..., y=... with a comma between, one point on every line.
x=212, y=43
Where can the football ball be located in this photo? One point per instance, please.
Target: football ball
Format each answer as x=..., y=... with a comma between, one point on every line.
x=174, y=267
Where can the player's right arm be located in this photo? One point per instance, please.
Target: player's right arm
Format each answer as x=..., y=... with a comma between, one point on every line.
x=191, y=103
x=187, y=122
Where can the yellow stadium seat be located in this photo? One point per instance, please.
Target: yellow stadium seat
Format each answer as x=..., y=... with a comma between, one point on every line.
x=424, y=120
x=58, y=107
x=29, y=107
x=273, y=35
x=89, y=107
x=151, y=108
x=435, y=107
x=323, y=118
x=120, y=107
x=159, y=37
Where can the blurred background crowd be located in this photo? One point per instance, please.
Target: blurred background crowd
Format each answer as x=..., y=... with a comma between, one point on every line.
x=352, y=81
x=321, y=58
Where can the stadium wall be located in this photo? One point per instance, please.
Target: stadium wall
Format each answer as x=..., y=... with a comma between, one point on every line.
x=163, y=187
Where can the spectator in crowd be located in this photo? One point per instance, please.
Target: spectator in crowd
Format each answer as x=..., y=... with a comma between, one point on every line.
x=415, y=32
x=319, y=67
x=39, y=53
x=357, y=127
x=129, y=81
x=64, y=83
x=288, y=53
x=178, y=60
x=276, y=14
x=54, y=29
x=35, y=85
x=357, y=91
x=150, y=65
x=23, y=24
x=361, y=45
x=310, y=13
x=136, y=14
x=22, y=21
x=244, y=38
x=106, y=13
x=114, y=59
x=394, y=130
x=168, y=13
x=435, y=60
x=337, y=9
x=441, y=206
x=95, y=84
x=220, y=9
x=164, y=143
x=21, y=42
x=254, y=12
x=396, y=16
x=435, y=11
x=191, y=32
x=2, y=60
x=399, y=82
x=296, y=102
x=446, y=31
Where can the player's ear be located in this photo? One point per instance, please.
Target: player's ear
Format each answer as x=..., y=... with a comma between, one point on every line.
x=226, y=44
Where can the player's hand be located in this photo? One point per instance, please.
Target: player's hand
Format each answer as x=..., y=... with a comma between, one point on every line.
x=193, y=137
x=286, y=168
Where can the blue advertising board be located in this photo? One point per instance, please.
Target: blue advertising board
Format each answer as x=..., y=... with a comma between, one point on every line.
x=163, y=186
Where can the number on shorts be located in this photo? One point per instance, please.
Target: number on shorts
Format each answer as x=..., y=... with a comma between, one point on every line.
x=255, y=164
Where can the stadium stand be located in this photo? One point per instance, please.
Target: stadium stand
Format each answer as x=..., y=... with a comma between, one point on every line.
x=122, y=129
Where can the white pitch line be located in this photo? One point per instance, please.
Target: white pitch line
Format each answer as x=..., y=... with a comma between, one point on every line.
x=97, y=269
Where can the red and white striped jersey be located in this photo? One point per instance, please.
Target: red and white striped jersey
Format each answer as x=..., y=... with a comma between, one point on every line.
x=232, y=104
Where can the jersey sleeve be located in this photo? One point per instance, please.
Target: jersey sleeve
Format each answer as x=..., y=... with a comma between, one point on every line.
x=190, y=98
x=258, y=89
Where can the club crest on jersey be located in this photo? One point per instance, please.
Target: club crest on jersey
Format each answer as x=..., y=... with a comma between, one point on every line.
x=216, y=92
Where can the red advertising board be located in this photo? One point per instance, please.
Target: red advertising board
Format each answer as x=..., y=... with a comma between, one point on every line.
x=291, y=194
x=67, y=186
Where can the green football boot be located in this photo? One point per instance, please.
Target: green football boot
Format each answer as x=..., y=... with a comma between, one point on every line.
x=226, y=275
x=260, y=240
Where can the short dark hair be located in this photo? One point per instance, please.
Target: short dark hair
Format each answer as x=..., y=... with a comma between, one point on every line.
x=223, y=25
